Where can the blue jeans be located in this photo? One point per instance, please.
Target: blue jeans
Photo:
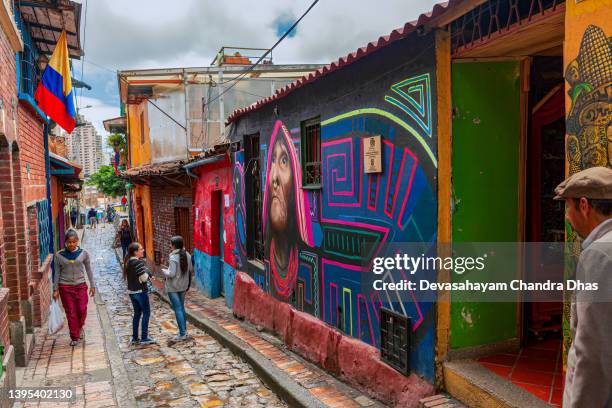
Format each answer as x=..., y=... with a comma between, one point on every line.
x=124, y=248
x=178, y=305
x=140, y=302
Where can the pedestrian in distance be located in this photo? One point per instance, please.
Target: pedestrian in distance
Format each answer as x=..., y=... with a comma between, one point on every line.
x=123, y=237
x=178, y=280
x=73, y=217
x=71, y=265
x=588, y=200
x=92, y=217
x=110, y=212
x=136, y=273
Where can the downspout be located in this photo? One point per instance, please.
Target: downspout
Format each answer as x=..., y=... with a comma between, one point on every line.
x=49, y=209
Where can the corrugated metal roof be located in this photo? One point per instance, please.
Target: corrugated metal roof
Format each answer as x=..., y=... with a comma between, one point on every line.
x=383, y=41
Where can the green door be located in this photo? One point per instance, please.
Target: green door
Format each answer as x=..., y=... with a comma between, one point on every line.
x=485, y=167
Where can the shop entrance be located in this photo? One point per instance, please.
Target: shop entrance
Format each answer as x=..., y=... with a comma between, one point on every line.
x=545, y=169
x=508, y=141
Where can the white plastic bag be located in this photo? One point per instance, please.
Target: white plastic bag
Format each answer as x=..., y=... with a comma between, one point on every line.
x=56, y=317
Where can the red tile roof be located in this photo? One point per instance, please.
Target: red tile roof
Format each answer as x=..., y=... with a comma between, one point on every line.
x=383, y=41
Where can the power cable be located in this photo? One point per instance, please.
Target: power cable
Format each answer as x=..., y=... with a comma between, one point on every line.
x=167, y=114
x=252, y=67
x=83, y=57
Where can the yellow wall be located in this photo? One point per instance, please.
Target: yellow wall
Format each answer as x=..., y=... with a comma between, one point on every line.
x=588, y=74
x=587, y=61
x=144, y=217
x=140, y=153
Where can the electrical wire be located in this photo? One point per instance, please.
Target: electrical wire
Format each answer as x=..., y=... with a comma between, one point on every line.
x=114, y=71
x=252, y=67
x=83, y=57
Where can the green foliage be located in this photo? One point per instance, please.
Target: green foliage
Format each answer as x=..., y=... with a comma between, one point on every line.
x=116, y=141
x=108, y=182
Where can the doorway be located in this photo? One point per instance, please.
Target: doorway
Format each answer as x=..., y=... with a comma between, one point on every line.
x=216, y=241
x=182, y=222
x=545, y=169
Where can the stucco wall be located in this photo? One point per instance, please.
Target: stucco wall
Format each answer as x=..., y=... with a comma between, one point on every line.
x=215, y=272
x=391, y=93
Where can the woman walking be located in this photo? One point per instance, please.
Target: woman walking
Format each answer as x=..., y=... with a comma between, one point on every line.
x=71, y=265
x=178, y=279
x=124, y=237
x=136, y=273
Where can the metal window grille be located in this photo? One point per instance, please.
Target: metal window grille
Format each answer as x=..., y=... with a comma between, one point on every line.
x=29, y=71
x=311, y=153
x=44, y=238
x=395, y=340
x=255, y=245
x=493, y=17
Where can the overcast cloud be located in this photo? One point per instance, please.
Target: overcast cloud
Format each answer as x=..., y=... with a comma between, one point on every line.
x=138, y=34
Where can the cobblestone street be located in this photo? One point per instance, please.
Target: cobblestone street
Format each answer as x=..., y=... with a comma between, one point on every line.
x=197, y=372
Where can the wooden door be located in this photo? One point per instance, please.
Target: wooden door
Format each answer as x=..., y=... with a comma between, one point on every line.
x=182, y=221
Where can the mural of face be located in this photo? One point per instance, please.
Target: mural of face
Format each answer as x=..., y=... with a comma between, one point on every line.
x=281, y=188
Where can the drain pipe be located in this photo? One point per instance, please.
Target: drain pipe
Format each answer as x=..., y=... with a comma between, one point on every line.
x=48, y=180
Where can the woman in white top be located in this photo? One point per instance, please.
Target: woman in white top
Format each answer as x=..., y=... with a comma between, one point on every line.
x=178, y=280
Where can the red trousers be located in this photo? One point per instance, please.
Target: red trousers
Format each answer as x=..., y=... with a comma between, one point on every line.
x=74, y=300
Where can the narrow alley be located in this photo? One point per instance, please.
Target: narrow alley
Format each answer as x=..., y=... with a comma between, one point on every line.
x=196, y=373
x=350, y=204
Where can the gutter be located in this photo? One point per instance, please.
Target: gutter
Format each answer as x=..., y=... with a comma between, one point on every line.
x=188, y=167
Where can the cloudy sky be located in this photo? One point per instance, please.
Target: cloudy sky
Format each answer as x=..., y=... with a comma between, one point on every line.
x=134, y=34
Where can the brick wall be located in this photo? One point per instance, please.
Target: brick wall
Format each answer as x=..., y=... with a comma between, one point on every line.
x=20, y=226
x=32, y=152
x=41, y=293
x=163, y=205
x=4, y=322
x=8, y=88
x=11, y=278
x=8, y=115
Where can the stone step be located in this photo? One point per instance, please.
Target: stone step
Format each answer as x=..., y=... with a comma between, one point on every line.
x=475, y=386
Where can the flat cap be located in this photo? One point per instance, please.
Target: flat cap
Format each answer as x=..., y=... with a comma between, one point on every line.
x=594, y=183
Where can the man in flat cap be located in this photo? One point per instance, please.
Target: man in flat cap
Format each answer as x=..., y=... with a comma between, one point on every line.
x=588, y=198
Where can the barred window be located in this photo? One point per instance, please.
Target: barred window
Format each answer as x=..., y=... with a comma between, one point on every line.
x=254, y=196
x=28, y=72
x=311, y=153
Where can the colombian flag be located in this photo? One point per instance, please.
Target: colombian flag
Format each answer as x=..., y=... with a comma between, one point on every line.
x=54, y=92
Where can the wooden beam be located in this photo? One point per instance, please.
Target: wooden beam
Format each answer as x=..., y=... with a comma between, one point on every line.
x=454, y=13
x=444, y=133
x=50, y=28
x=49, y=42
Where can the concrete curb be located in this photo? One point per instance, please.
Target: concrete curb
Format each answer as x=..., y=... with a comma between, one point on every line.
x=289, y=390
x=123, y=392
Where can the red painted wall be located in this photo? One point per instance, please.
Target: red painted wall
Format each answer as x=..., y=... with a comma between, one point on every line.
x=202, y=191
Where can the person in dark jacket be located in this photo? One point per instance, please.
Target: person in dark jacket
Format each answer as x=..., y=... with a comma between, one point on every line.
x=92, y=216
x=124, y=236
x=73, y=216
x=136, y=273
